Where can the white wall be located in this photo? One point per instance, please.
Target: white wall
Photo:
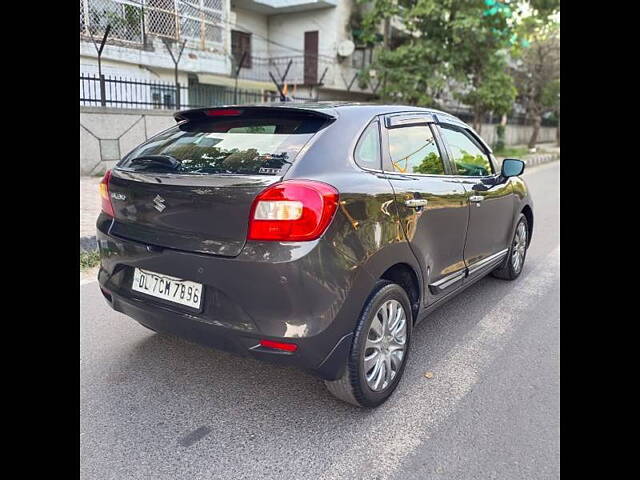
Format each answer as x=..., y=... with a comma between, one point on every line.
x=288, y=29
x=332, y=26
x=108, y=134
x=517, y=134
x=256, y=24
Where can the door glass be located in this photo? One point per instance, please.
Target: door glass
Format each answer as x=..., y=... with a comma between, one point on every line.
x=468, y=157
x=414, y=150
x=368, y=150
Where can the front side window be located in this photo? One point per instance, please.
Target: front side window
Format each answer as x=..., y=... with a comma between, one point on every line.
x=413, y=150
x=469, y=158
x=367, y=153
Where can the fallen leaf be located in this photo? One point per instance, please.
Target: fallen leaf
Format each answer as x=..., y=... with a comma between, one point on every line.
x=429, y=375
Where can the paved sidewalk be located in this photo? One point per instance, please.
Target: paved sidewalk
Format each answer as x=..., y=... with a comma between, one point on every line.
x=89, y=205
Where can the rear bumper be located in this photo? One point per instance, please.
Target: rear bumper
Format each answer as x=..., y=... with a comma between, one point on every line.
x=305, y=293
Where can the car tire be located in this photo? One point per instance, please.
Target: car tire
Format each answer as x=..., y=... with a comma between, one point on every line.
x=512, y=266
x=380, y=345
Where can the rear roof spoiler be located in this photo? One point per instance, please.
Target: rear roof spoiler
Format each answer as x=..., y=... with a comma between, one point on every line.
x=241, y=110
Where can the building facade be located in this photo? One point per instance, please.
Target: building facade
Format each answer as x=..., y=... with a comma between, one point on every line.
x=305, y=45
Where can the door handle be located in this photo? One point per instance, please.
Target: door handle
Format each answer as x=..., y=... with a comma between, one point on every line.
x=476, y=198
x=416, y=202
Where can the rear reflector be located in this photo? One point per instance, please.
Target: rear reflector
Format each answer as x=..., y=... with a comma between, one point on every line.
x=223, y=112
x=104, y=194
x=288, y=347
x=293, y=211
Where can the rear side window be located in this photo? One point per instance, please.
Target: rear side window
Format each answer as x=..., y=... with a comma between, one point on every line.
x=243, y=145
x=414, y=150
x=469, y=158
x=367, y=153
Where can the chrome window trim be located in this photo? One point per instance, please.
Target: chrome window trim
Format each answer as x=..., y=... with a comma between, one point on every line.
x=418, y=174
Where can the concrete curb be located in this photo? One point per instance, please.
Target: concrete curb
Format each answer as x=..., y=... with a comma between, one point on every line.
x=538, y=159
x=534, y=159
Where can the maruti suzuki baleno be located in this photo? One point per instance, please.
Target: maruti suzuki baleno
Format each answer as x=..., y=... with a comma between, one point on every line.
x=315, y=235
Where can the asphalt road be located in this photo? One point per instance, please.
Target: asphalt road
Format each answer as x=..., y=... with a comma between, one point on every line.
x=160, y=407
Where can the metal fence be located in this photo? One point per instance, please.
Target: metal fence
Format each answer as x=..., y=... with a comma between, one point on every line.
x=200, y=22
x=127, y=93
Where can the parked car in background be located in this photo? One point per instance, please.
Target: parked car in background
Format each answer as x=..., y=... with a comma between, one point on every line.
x=313, y=235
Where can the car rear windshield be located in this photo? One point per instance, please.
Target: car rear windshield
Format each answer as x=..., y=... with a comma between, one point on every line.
x=245, y=145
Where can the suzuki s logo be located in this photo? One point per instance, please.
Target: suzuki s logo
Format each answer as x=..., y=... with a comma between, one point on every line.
x=158, y=203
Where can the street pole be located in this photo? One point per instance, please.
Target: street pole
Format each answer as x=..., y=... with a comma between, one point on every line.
x=103, y=99
x=176, y=61
x=237, y=73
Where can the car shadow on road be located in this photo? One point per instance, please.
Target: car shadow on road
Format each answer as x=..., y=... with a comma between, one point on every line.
x=162, y=371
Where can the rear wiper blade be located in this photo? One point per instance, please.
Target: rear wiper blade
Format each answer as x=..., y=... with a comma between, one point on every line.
x=164, y=160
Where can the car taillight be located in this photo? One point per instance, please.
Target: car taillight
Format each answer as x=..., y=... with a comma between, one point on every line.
x=223, y=112
x=294, y=210
x=104, y=194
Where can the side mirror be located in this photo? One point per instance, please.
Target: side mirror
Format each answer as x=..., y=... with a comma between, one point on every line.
x=512, y=167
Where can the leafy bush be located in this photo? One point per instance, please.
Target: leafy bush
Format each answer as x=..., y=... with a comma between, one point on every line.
x=89, y=259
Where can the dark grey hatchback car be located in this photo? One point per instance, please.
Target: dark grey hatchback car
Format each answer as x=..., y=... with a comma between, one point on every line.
x=314, y=235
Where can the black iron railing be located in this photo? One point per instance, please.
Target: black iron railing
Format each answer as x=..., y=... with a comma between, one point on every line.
x=108, y=91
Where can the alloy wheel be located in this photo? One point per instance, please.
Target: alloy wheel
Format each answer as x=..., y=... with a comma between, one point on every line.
x=385, y=347
x=519, y=247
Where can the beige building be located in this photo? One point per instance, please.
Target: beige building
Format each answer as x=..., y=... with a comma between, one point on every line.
x=307, y=45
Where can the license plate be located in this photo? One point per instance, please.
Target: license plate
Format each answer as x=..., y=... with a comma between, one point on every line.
x=168, y=288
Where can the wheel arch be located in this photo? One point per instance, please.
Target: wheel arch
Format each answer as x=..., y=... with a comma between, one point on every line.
x=527, y=211
x=405, y=275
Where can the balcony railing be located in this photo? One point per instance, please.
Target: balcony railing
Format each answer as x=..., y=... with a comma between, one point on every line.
x=299, y=70
x=200, y=22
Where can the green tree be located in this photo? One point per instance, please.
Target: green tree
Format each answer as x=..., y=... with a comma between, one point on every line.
x=447, y=48
x=446, y=45
x=537, y=70
x=430, y=164
x=493, y=91
x=551, y=100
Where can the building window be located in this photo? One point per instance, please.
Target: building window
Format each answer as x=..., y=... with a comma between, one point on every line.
x=200, y=20
x=241, y=43
x=161, y=18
